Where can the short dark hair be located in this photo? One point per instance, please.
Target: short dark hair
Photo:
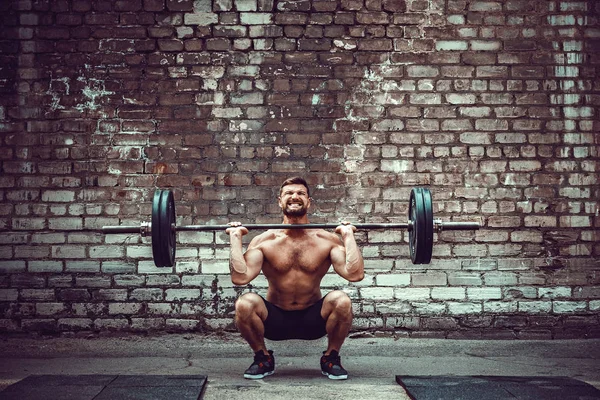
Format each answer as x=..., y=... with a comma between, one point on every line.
x=296, y=180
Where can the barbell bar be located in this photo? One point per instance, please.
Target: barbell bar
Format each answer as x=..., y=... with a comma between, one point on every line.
x=421, y=225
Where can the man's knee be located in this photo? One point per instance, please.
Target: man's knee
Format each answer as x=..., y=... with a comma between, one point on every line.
x=340, y=302
x=247, y=304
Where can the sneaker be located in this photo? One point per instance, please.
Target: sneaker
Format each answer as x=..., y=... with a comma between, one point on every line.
x=331, y=366
x=263, y=365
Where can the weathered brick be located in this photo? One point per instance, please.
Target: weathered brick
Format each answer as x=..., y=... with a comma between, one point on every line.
x=564, y=307
x=380, y=293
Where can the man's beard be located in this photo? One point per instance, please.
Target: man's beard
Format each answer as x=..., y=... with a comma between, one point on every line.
x=298, y=212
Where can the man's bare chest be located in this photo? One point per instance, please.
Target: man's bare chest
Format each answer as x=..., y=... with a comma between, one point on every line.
x=305, y=255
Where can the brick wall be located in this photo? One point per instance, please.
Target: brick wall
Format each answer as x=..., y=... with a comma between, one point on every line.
x=493, y=104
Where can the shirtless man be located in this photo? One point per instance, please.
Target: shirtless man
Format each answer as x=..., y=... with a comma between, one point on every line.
x=294, y=262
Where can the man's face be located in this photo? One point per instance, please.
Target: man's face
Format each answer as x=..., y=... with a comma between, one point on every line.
x=294, y=200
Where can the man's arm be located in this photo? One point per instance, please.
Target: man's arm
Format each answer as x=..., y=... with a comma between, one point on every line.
x=346, y=257
x=243, y=267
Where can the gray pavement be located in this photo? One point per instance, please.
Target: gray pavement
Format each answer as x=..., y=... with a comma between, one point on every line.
x=373, y=362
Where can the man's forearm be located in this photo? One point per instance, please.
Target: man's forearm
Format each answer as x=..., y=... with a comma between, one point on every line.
x=354, y=259
x=237, y=263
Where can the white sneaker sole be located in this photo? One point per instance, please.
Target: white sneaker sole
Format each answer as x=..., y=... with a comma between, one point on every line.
x=335, y=377
x=248, y=376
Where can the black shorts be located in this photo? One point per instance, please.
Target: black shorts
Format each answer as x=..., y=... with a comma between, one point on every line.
x=304, y=324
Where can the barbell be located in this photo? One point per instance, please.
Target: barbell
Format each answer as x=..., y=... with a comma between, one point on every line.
x=421, y=225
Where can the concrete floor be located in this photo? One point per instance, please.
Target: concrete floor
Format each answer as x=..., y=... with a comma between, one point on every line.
x=372, y=363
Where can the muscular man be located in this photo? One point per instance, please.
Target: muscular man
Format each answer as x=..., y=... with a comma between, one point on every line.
x=294, y=262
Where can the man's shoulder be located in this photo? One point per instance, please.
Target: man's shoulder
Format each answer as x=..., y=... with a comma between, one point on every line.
x=327, y=235
x=265, y=237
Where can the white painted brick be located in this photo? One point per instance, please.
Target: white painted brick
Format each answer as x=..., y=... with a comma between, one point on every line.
x=521, y=292
x=448, y=293
x=464, y=279
x=28, y=224
x=500, y=278
x=378, y=265
x=215, y=266
x=68, y=251
x=367, y=323
x=484, y=293
x=500, y=307
x=377, y=293
x=393, y=308
x=148, y=267
x=53, y=238
x=393, y=280
x=58, y=196
x=554, y=292
x=107, y=252
x=429, y=308
x=457, y=98
x=124, y=238
x=334, y=281
x=411, y=294
x=92, y=281
x=564, y=307
x=82, y=266
x=422, y=71
x=196, y=237
x=140, y=251
x=256, y=18
x=464, y=308
x=595, y=305
x=118, y=267
x=189, y=252
x=65, y=223
x=99, y=222
x=534, y=307
x=200, y=18
x=456, y=19
x=187, y=267
x=443, y=264
x=182, y=294
x=442, y=45
x=425, y=98
x=127, y=279
x=146, y=294
x=485, y=45
x=575, y=221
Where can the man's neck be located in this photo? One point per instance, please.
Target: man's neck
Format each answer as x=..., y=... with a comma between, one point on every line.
x=295, y=220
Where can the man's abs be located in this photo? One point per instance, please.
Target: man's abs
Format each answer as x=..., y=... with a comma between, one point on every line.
x=293, y=299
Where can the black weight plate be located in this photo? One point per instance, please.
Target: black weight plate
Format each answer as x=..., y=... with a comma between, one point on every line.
x=167, y=233
x=428, y=225
x=157, y=253
x=416, y=216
